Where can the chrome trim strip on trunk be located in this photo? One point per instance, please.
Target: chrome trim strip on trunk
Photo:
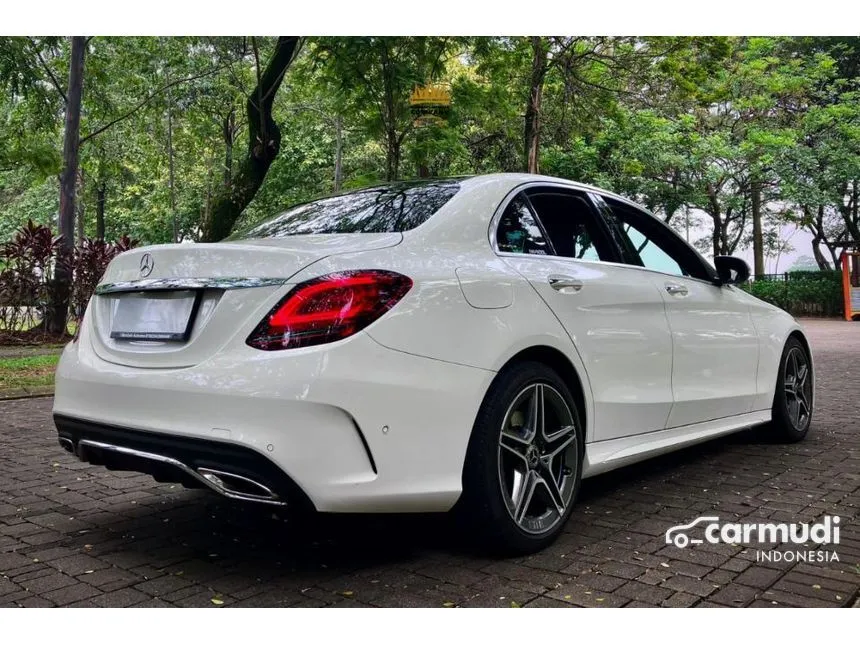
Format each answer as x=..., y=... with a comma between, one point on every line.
x=169, y=284
x=170, y=461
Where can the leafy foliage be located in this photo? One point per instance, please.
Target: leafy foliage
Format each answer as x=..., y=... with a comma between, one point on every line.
x=89, y=263
x=817, y=293
x=28, y=262
x=738, y=137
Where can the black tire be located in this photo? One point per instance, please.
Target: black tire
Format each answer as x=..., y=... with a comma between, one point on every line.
x=788, y=423
x=486, y=508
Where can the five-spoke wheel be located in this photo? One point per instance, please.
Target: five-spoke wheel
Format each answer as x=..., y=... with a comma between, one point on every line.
x=798, y=387
x=524, y=462
x=538, y=457
x=793, y=399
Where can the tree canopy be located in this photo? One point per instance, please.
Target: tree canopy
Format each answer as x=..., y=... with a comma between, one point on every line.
x=183, y=138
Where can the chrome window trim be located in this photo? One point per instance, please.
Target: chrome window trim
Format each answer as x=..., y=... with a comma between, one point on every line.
x=509, y=197
x=170, y=284
x=620, y=265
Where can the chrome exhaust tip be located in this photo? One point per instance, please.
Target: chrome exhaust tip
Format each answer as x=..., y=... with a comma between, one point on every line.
x=237, y=486
x=67, y=444
x=227, y=484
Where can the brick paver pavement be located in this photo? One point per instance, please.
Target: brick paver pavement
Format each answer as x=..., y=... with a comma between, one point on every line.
x=71, y=534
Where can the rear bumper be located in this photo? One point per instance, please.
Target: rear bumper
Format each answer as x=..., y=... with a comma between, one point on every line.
x=347, y=427
x=231, y=470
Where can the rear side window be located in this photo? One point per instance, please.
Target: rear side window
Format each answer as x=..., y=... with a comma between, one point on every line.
x=385, y=209
x=518, y=232
x=571, y=224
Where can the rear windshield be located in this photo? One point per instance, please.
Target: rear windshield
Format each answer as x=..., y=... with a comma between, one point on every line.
x=384, y=209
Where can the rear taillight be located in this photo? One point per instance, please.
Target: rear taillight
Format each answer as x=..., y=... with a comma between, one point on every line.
x=329, y=308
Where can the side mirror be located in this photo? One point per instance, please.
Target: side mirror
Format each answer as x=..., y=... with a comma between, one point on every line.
x=731, y=270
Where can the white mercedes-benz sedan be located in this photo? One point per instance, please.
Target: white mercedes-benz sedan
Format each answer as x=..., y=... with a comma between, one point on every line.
x=478, y=344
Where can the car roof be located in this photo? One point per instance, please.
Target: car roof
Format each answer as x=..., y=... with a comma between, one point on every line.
x=514, y=179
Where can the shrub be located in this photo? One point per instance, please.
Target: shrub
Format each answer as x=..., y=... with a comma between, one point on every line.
x=803, y=293
x=88, y=265
x=27, y=261
x=27, y=264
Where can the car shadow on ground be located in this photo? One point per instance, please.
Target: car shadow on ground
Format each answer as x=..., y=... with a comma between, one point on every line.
x=664, y=466
x=259, y=542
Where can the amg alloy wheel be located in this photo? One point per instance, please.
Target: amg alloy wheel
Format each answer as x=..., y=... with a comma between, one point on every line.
x=538, y=458
x=524, y=463
x=793, y=399
x=797, y=385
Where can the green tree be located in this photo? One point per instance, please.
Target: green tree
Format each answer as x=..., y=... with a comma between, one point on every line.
x=264, y=140
x=376, y=76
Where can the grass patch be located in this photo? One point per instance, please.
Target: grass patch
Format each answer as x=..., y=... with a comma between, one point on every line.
x=26, y=372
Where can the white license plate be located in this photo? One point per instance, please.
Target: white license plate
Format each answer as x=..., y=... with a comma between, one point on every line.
x=154, y=315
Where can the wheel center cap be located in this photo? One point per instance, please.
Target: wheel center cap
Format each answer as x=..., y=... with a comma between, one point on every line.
x=532, y=456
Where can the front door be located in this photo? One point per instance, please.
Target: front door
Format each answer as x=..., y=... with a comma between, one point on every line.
x=715, y=345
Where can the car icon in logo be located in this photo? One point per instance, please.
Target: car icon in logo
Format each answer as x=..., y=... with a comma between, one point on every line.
x=677, y=534
x=147, y=264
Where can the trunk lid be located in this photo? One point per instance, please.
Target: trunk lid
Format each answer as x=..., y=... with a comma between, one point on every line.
x=230, y=282
x=264, y=258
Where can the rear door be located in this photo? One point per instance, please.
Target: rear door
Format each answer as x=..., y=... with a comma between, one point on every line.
x=715, y=345
x=555, y=238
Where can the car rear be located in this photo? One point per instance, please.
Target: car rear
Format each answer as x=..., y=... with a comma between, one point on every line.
x=215, y=366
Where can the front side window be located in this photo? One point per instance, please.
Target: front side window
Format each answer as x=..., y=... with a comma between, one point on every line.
x=518, y=232
x=648, y=242
x=384, y=209
x=651, y=255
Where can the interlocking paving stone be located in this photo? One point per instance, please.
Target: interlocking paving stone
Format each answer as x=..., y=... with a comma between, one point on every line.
x=735, y=595
x=642, y=592
x=76, y=535
x=681, y=599
x=759, y=577
x=690, y=585
x=69, y=595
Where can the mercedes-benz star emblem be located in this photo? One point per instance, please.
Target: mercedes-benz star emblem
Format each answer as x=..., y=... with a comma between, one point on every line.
x=147, y=264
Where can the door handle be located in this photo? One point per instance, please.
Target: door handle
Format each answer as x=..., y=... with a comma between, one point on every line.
x=564, y=283
x=676, y=289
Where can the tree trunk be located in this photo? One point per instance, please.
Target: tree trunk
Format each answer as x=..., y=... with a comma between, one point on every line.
x=170, y=168
x=338, y=153
x=389, y=117
x=229, y=131
x=716, y=216
x=81, y=208
x=207, y=207
x=855, y=208
x=101, y=197
x=264, y=143
x=533, y=107
x=820, y=260
x=758, y=241
x=393, y=171
x=718, y=234
x=833, y=254
x=849, y=212
x=55, y=320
